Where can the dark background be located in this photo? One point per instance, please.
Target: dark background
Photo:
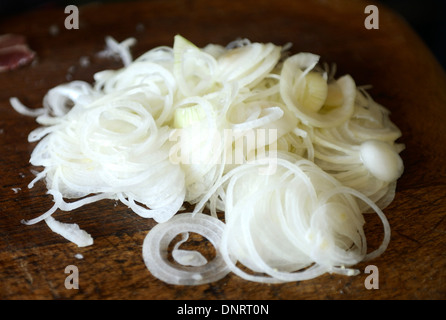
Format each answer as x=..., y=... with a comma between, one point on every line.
x=427, y=17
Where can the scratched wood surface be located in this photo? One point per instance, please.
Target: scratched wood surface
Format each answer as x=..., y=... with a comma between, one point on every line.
x=405, y=78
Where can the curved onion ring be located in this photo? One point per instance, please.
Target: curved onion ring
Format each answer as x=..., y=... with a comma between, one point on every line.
x=158, y=239
x=294, y=69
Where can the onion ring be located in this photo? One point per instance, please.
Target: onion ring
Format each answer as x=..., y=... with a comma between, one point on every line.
x=155, y=252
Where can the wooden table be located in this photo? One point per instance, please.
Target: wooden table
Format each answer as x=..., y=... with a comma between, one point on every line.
x=405, y=78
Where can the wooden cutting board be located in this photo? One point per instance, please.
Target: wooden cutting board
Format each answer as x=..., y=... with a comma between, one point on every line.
x=405, y=78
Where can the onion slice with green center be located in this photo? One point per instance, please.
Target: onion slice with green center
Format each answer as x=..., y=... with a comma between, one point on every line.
x=293, y=74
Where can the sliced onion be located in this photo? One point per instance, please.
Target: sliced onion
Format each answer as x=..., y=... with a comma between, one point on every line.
x=113, y=146
x=293, y=201
x=194, y=69
x=293, y=73
x=300, y=224
x=155, y=250
x=247, y=64
x=70, y=231
x=119, y=50
x=22, y=109
x=187, y=257
x=351, y=154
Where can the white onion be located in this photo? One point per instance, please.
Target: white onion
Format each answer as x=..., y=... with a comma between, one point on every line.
x=293, y=156
x=293, y=225
x=382, y=160
x=22, y=109
x=194, y=69
x=294, y=70
x=119, y=50
x=247, y=64
x=348, y=153
x=70, y=231
x=155, y=251
x=113, y=146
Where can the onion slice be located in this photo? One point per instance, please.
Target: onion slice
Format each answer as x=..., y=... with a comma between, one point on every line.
x=70, y=231
x=156, y=243
x=294, y=70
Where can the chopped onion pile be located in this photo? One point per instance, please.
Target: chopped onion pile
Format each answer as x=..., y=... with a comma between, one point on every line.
x=292, y=156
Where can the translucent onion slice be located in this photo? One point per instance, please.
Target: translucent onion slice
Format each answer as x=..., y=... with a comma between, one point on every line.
x=194, y=69
x=293, y=225
x=117, y=49
x=199, y=145
x=248, y=64
x=113, y=146
x=187, y=257
x=70, y=231
x=297, y=219
x=60, y=99
x=22, y=109
x=350, y=151
x=294, y=71
x=371, y=120
x=155, y=250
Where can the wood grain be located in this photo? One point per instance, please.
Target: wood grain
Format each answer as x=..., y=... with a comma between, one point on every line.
x=405, y=77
